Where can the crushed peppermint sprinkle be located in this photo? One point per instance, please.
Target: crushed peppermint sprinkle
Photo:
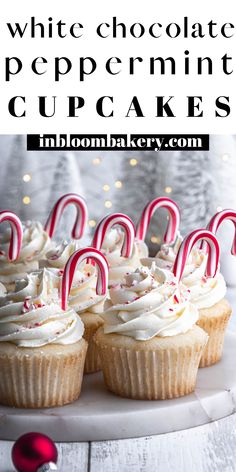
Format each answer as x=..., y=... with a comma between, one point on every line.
x=61, y=272
x=171, y=309
x=53, y=257
x=165, y=249
x=29, y=258
x=2, y=253
x=28, y=305
x=176, y=300
x=204, y=279
x=134, y=283
x=88, y=274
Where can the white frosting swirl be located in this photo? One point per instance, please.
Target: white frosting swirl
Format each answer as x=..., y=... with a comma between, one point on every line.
x=120, y=266
x=32, y=317
x=35, y=244
x=58, y=256
x=83, y=296
x=165, y=258
x=149, y=304
x=2, y=290
x=204, y=292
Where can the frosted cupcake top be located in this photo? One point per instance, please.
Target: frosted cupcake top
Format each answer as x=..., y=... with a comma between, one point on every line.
x=58, y=256
x=35, y=244
x=2, y=290
x=165, y=258
x=83, y=296
x=204, y=292
x=119, y=266
x=150, y=303
x=31, y=316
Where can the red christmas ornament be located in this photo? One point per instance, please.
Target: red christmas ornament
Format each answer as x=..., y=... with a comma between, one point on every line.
x=34, y=452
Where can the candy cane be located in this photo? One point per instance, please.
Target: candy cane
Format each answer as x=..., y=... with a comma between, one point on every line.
x=16, y=233
x=148, y=212
x=216, y=221
x=76, y=258
x=186, y=247
x=107, y=223
x=56, y=213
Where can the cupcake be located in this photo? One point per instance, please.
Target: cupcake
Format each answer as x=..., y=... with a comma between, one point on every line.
x=85, y=292
x=89, y=305
x=82, y=298
x=36, y=242
x=207, y=294
x=216, y=311
x=42, y=352
x=119, y=247
x=150, y=346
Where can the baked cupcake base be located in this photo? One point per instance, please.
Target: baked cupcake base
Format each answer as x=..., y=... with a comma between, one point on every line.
x=41, y=377
x=157, y=369
x=214, y=321
x=91, y=324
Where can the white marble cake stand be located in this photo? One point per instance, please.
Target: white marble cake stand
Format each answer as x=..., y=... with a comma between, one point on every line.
x=100, y=415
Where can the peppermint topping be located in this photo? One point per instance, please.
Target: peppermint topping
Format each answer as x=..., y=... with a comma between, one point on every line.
x=176, y=300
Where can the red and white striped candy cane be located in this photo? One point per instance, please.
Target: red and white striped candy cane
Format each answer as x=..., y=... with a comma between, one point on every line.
x=187, y=246
x=217, y=220
x=56, y=213
x=148, y=212
x=16, y=233
x=76, y=258
x=107, y=223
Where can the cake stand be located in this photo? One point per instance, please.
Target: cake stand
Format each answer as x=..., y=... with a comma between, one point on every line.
x=196, y=432
x=101, y=416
